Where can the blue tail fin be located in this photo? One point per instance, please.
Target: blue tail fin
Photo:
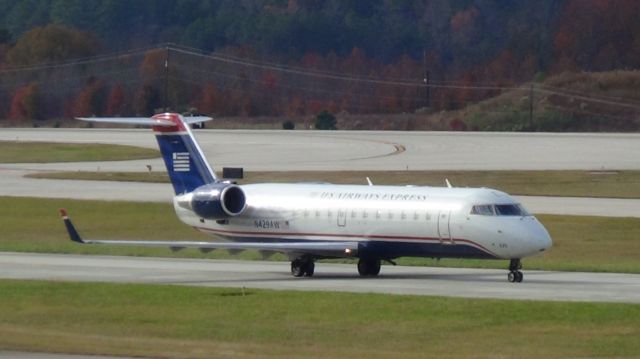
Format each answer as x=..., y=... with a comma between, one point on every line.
x=186, y=165
x=185, y=162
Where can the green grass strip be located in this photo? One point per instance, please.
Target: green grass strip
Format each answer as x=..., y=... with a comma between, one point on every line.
x=46, y=152
x=599, y=244
x=192, y=322
x=608, y=184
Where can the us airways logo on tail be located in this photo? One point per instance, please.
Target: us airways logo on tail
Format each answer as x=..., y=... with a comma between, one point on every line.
x=181, y=162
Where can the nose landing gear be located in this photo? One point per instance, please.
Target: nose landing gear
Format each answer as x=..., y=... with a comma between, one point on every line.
x=515, y=275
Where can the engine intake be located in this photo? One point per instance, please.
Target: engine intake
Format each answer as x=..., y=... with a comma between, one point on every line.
x=218, y=201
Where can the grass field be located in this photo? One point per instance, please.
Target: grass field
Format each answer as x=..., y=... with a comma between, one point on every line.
x=612, y=184
x=45, y=152
x=33, y=225
x=191, y=322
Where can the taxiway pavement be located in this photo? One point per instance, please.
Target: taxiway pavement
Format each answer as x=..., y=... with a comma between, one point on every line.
x=454, y=282
x=340, y=150
x=377, y=150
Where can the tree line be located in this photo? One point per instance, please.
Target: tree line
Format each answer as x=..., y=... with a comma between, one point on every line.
x=65, y=58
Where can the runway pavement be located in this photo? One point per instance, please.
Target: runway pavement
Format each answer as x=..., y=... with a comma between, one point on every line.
x=454, y=282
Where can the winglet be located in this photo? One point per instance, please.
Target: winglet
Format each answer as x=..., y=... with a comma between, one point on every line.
x=73, y=234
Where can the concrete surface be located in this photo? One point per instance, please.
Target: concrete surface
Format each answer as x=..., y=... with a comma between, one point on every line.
x=453, y=282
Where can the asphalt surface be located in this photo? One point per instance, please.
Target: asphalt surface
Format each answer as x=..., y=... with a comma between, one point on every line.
x=377, y=150
x=453, y=282
x=340, y=150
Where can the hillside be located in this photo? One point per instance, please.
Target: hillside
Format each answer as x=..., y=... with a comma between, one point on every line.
x=600, y=101
x=569, y=102
x=419, y=62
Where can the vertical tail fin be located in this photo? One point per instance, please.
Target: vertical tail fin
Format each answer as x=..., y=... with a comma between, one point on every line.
x=186, y=164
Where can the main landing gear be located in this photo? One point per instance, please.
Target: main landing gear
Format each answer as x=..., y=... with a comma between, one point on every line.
x=305, y=266
x=515, y=275
x=302, y=267
x=368, y=267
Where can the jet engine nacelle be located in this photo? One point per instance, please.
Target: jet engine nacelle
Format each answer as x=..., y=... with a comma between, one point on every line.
x=218, y=201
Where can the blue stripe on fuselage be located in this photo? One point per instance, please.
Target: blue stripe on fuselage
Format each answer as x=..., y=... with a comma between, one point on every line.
x=187, y=169
x=389, y=249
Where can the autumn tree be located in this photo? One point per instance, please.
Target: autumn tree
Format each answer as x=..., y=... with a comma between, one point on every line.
x=209, y=99
x=25, y=104
x=91, y=99
x=52, y=43
x=295, y=106
x=152, y=65
x=146, y=100
x=115, y=101
x=596, y=35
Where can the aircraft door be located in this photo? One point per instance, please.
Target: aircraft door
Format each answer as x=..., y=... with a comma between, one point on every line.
x=342, y=218
x=444, y=232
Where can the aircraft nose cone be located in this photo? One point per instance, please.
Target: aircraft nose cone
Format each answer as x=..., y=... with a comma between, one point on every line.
x=543, y=238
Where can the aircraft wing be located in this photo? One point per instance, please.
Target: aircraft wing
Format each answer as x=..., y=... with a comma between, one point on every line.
x=328, y=249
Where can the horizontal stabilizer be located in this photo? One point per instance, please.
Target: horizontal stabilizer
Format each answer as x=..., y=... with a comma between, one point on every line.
x=144, y=121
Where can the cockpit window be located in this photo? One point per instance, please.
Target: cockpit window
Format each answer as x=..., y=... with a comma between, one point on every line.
x=483, y=210
x=510, y=210
x=499, y=210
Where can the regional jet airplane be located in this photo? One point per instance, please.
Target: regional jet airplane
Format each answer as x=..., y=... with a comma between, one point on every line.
x=308, y=222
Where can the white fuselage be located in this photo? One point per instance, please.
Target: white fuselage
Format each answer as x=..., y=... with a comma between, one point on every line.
x=389, y=221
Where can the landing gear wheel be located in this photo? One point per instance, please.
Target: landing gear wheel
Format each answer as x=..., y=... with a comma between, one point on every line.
x=309, y=269
x=369, y=267
x=302, y=267
x=519, y=276
x=297, y=268
x=515, y=275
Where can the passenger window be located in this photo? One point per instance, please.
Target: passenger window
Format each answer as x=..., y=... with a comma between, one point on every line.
x=364, y=214
x=353, y=213
x=482, y=210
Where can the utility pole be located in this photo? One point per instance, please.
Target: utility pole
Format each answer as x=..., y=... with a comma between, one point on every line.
x=166, y=81
x=531, y=108
x=425, y=77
